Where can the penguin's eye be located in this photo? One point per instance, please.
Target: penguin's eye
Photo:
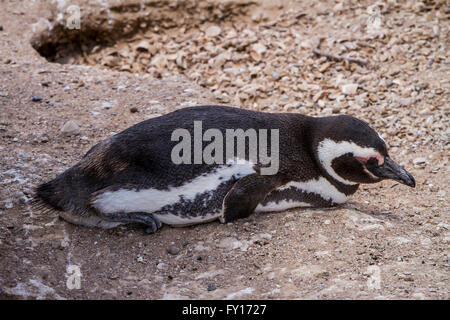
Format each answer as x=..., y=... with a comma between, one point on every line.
x=372, y=162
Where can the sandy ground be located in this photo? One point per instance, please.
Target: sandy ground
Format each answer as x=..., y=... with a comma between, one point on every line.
x=389, y=242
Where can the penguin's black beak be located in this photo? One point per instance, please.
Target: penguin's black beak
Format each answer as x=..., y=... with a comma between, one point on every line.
x=391, y=170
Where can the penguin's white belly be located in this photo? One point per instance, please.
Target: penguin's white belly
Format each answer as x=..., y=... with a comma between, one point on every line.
x=167, y=205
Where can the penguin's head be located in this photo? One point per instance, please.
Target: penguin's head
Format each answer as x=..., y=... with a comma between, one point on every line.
x=351, y=152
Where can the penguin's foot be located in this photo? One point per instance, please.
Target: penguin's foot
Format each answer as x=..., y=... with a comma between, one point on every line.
x=152, y=224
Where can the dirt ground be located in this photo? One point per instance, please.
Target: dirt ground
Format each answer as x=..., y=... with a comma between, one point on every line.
x=133, y=60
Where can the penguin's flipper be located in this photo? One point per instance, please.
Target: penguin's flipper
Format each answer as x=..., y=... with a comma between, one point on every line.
x=246, y=194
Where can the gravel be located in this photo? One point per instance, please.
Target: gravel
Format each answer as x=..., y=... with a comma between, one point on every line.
x=271, y=65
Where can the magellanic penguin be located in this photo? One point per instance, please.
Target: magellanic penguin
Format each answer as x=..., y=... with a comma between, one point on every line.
x=132, y=176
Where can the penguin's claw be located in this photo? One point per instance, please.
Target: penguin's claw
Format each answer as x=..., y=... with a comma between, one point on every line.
x=150, y=230
x=152, y=225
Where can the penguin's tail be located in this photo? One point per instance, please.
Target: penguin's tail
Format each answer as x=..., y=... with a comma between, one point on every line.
x=63, y=193
x=44, y=196
x=68, y=195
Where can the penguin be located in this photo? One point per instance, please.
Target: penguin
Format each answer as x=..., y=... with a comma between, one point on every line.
x=132, y=177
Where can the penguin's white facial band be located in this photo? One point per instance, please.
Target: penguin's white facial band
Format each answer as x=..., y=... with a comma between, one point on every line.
x=328, y=150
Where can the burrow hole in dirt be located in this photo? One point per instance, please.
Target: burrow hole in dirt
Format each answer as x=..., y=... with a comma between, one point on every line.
x=242, y=53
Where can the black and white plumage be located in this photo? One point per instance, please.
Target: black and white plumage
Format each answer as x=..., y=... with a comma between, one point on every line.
x=130, y=177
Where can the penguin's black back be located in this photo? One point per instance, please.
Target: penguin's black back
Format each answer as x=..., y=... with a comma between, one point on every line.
x=141, y=154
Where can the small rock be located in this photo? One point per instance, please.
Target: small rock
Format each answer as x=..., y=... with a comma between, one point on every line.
x=134, y=110
x=159, y=61
x=262, y=238
x=212, y=287
x=275, y=76
x=436, y=31
x=419, y=295
x=1, y=28
x=349, y=89
x=259, y=48
x=213, y=31
x=173, y=250
x=8, y=204
x=160, y=266
x=111, y=61
x=36, y=99
x=418, y=161
x=143, y=46
x=231, y=243
x=106, y=105
x=70, y=128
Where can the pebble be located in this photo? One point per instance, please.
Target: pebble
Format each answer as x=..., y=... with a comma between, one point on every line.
x=1, y=28
x=134, y=110
x=173, y=250
x=70, y=128
x=275, y=76
x=143, y=46
x=436, y=31
x=231, y=243
x=418, y=161
x=212, y=287
x=349, y=89
x=213, y=31
x=36, y=99
x=107, y=105
x=160, y=266
x=8, y=204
